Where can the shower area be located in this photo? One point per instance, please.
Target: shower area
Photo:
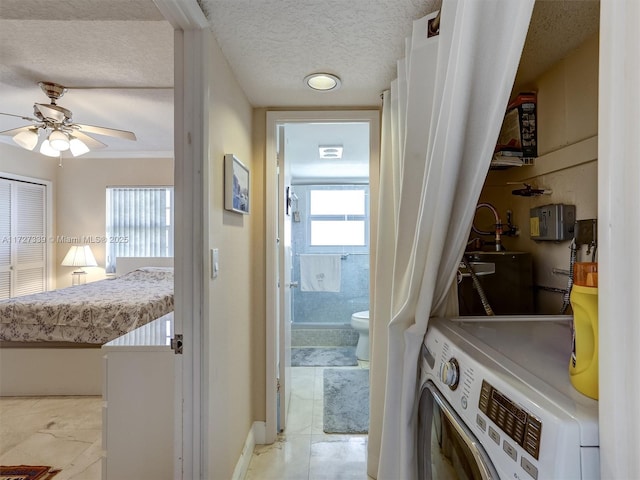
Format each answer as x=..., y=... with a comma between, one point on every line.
x=329, y=237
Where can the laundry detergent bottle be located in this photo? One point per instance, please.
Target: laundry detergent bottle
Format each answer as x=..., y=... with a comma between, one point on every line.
x=583, y=365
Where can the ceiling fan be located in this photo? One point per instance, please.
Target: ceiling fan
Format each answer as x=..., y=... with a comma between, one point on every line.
x=54, y=125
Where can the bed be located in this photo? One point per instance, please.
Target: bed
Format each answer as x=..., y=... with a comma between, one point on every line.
x=50, y=342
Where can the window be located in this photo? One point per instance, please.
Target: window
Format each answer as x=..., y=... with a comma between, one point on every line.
x=338, y=216
x=139, y=223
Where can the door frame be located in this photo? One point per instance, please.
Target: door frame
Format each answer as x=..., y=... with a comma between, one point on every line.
x=372, y=117
x=191, y=139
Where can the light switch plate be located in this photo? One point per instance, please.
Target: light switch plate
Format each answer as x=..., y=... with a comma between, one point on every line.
x=215, y=266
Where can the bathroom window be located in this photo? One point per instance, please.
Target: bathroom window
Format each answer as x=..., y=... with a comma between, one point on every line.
x=338, y=217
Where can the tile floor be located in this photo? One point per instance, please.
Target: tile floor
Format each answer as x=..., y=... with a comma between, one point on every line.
x=65, y=432
x=304, y=451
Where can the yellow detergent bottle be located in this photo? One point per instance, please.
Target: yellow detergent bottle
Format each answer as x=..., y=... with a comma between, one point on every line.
x=583, y=365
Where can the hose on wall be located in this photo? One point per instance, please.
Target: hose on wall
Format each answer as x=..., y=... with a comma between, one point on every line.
x=476, y=283
x=567, y=293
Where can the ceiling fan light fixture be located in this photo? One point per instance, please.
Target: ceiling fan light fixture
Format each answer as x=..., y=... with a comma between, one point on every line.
x=77, y=147
x=322, y=82
x=59, y=141
x=27, y=139
x=48, y=150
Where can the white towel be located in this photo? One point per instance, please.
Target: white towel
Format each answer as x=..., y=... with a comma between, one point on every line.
x=320, y=273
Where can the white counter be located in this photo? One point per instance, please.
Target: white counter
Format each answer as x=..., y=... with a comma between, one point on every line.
x=138, y=410
x=154, y=334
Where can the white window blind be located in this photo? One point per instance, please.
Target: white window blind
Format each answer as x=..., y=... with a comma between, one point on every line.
x=139, y=223
x=5, y=239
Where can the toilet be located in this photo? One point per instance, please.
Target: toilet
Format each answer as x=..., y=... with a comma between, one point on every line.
x=360, y=323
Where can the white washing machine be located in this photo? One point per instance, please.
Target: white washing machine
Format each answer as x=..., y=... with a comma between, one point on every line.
x=496, y=402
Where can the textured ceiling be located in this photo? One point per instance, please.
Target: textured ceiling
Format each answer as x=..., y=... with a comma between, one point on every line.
x=117, y=55
x=302, y=141
x=273, y=44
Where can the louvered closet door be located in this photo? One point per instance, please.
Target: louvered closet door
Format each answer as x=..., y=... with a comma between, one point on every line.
x=22, y=238
x=30, y=248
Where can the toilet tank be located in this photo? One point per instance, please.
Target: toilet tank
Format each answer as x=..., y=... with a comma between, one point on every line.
x=509, y=290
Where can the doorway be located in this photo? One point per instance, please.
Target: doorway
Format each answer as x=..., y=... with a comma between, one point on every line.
x=282, y=203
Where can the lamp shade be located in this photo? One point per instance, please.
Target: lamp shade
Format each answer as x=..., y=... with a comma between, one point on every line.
x=79, y=256
x=59, y=141
x=48, y=150
x=27, y=139
x=78, y=147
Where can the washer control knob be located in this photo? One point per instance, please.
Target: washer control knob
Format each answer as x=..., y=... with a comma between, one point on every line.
x=450, y=373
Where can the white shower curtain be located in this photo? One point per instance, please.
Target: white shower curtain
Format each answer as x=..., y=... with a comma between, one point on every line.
x=441, y=121
x=618, y=237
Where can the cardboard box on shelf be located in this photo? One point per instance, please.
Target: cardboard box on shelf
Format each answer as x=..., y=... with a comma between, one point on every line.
x=519, y=129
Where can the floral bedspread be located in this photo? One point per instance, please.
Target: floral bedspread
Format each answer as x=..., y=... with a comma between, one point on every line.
x=94, y=313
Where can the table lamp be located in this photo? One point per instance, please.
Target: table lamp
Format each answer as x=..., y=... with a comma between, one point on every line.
x=79, y=256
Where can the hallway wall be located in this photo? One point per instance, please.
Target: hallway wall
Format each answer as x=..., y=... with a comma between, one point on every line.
x=231, y=317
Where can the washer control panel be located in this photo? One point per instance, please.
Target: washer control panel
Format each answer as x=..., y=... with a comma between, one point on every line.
x=521, y=426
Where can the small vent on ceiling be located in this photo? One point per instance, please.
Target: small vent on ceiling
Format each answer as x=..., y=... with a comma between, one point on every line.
x=330, y=151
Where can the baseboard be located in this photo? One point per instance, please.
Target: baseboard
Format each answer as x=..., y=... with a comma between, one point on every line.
x=256, y=435
x=372, y=464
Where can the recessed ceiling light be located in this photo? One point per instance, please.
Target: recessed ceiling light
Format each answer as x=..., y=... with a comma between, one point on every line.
x=330, y=151
x=322, y=81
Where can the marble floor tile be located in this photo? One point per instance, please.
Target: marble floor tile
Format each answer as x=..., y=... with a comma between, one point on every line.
x=304, y=451
x=303, y=382
x=317, y=420
x=63, y=432
x=87, y=466
x=319, y=384
x=337, y=457
x=286, y=459
x=300, y=415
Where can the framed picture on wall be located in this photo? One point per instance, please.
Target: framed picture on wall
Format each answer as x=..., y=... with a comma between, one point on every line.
x=236, y=185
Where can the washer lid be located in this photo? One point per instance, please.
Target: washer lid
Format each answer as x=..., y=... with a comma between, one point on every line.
x=540, y=347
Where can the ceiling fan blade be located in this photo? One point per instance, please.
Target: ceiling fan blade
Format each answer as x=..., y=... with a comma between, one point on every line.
x=90, y=142
x=16, y=131
x=110, y=132
x=20, y=116
x=50, y=113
